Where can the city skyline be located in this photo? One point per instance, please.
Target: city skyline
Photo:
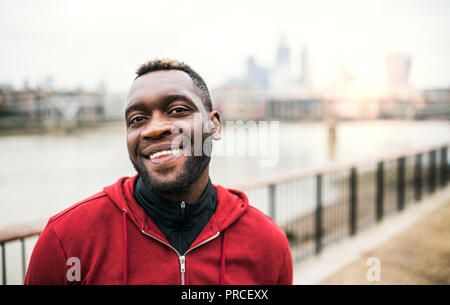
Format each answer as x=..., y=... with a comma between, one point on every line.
x=82, y=44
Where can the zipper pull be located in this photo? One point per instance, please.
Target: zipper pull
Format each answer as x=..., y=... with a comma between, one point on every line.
x=183, y=263
x=182, y=268
x=183, y=208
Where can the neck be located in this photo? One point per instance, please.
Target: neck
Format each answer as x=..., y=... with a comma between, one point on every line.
x=194, y=192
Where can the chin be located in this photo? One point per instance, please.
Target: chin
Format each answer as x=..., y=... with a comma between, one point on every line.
x=175, y=179
x=166, y=186
x=167, y=180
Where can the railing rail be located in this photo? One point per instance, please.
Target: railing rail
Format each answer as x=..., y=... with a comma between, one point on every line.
x=319, y=206
x=298, y=174
x=18, y=232
x=25, y=230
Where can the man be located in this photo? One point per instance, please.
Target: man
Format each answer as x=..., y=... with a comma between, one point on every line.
x=168, y=224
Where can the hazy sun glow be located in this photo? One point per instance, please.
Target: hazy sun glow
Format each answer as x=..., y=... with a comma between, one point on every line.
x=83, y=43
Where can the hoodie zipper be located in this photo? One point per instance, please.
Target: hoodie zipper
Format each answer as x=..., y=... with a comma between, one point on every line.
x=183, y=209
x=182, y=258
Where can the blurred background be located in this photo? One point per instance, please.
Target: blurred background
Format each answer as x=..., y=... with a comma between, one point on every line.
x=353, y=84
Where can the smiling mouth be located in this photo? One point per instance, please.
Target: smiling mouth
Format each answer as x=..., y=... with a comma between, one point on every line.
x=164, y=157
x=164, y=153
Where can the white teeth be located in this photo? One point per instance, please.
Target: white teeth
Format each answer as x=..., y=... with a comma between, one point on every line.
x=165, y=152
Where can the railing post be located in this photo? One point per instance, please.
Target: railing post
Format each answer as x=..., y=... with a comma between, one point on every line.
x=432, y=172
x=318, y=237
x=418, y=177
x=380, y=191
x=353, y=201
x=22, y=248
x=444, y=166
x=3, y=264
x=272, y=201
x=400, y=183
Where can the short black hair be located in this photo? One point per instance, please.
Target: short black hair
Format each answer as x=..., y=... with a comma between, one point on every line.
x=170, y=64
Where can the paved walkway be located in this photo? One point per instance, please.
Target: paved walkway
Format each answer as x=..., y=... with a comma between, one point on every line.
x=412, y=247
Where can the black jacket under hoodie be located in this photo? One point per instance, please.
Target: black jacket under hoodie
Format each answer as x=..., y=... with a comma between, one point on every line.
x=180, y=222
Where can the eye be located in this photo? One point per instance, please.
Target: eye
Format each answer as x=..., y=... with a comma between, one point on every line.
x=137, y=119
x=178, y=110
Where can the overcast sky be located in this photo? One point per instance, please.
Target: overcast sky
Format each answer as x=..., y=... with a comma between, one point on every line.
x=81, y=43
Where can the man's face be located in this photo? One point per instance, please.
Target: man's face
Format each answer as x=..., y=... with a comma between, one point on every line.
x=160, y=123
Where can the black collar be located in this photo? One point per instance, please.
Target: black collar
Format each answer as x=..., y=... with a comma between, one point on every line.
x=182, y=215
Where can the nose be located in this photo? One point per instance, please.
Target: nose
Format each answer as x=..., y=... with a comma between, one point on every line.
x=157, y=127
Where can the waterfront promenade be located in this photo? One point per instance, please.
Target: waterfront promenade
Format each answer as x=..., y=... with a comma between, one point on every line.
x=413, y=247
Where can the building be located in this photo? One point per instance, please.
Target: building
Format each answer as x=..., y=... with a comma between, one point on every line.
x=239, y=102
x=397, y=71
x=436, y=104
x=295, y=109
x=281, y=83
x=306, y=77
x=257, y=76
x=40, y=108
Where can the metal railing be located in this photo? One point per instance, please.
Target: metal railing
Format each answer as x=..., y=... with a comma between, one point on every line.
x=20, y=233
x=319, y=207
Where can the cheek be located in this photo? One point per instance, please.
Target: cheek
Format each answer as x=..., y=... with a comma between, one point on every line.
x=131, y=144
x=199, y=129
x=188, y=132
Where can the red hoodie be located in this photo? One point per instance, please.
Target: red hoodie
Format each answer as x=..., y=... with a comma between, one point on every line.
x=115, y=242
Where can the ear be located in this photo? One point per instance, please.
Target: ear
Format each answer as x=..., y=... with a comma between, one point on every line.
x=215, y=122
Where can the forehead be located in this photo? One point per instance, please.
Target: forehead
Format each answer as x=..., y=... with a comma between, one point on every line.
x=155, y=85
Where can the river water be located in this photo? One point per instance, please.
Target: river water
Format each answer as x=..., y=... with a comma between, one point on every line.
x=43, y=174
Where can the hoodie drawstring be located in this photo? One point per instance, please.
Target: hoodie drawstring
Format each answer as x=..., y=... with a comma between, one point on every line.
x=125, y=249
x=222, y=260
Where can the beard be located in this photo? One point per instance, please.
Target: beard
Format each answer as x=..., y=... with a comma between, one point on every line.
x=189, y=174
